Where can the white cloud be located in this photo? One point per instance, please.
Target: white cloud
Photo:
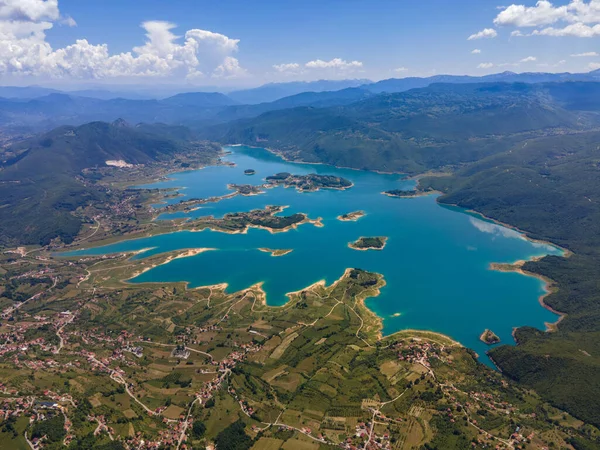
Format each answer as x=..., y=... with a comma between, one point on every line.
x=335, y=63
x=401, y=70
x=543, y=13
x=578, y=18
x=585, y=54
x=485, y=65
x=575, y=30
x=29, y=10
x=24, y=50
x=594, y=66
x=68, y=21
x=476, y=51
x=287, y=68
x=485, y=33
x=528, y=59
x=558, y=64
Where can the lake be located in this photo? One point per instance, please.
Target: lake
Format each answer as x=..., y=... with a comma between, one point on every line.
x=436, y=260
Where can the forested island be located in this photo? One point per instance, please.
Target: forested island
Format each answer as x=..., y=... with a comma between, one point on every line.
x=368, y=243
x=352, y=216
x=245, y=189
x=260, y=218
x=249, y=172
x=489, y=337
x=309, y=183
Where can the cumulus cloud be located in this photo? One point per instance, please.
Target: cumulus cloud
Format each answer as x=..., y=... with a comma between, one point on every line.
x=24, y=50
x=528, y=59
x=318, y=67
x=543, y=13
x=476, y=51
x=578, y=18
x=574, y=30
x=401, y=70
x=485, y=33
x=287, y=68
x=335, y=63
x=585, y=54
x=487, y=65
x=594, y=66
x=29, y=10
x=68, y=21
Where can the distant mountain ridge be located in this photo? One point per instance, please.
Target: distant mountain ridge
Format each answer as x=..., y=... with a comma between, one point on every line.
x=420, y=129
x=404, y=84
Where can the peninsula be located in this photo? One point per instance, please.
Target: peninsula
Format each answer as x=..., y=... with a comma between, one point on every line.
x=408, y=193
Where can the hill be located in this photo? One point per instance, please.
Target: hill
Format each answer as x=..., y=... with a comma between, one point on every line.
x=275, y=91
x=549, y=188
x=404, y=84
x=41, y=181
x=55, y=109
x=444, y=124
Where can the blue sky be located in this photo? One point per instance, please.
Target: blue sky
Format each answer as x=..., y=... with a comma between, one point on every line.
x=242, y=43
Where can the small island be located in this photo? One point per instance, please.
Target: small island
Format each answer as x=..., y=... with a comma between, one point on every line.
x=408, y=193
x=276, y=252
x=249, y=172
x=308, y=183
x=245, y=189
x=352, y=216
x=489, y=337
x=266, y=218
x=368, y=243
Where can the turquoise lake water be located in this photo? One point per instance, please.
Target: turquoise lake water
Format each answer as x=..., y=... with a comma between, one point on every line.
x=436, y=260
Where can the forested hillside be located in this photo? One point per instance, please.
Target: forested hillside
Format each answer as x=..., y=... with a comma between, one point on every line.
x=549, y=188
x=41, y=183
x=446, y=124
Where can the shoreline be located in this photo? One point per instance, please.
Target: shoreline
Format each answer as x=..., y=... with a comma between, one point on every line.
x=549, y=286
x=566, y=253
x=185, y=253
x=280, y=155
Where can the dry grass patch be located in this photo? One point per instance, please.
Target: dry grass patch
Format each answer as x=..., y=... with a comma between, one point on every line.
x=173, y=412
x=267, y=444
x=281, y=348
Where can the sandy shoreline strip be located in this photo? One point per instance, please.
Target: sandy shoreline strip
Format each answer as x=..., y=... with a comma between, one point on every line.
x=181, y=254
x=276, y=252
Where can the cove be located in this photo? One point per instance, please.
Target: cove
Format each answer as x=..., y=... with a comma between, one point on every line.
x=435, y=262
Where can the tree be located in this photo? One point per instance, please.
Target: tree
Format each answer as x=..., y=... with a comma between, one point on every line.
x=198, y=429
